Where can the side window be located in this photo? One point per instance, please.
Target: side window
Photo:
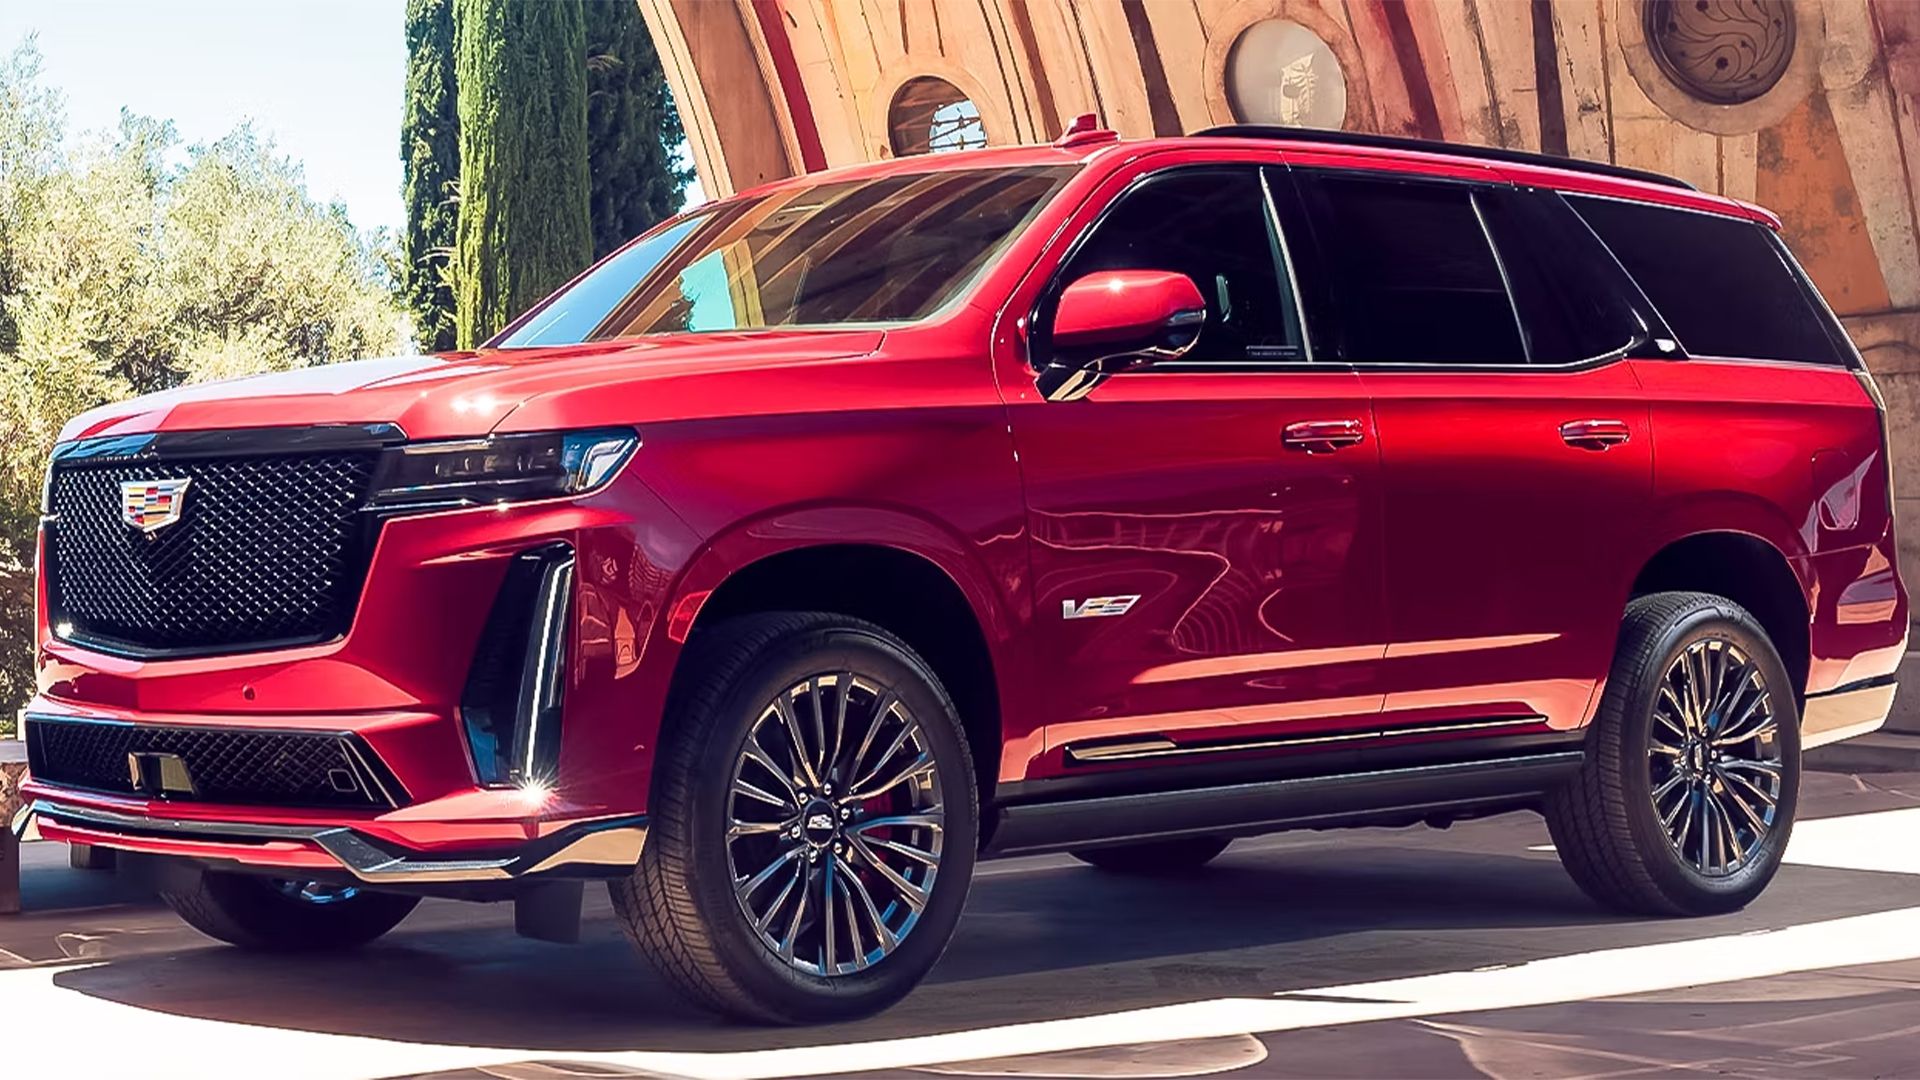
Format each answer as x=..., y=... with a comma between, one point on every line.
x=1413, y=277
x=1575, y=303
x=1212, y=225
x=1723, y=285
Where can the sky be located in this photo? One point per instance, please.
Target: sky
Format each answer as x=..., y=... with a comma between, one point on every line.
x=323, y=78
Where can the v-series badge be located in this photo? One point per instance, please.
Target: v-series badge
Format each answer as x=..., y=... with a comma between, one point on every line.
x=1097, y=607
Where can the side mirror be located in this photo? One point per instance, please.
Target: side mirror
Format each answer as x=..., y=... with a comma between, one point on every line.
x=1117, y=320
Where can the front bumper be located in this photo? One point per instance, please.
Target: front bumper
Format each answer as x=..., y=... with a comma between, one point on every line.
x=601, y=847
x=401, y=688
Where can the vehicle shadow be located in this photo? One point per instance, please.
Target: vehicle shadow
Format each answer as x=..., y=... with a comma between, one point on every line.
x=1038, y=942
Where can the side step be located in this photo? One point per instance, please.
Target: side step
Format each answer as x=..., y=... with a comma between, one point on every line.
x=1273, y=805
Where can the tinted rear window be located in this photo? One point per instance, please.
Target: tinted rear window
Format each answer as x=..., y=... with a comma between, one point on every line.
x=1413, y=275
x=1720, y=283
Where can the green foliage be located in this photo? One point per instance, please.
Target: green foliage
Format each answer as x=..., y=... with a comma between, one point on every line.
x=430, y=153
x=633, y=129
x=523, y=225
x=30, y=125
x=123, y=274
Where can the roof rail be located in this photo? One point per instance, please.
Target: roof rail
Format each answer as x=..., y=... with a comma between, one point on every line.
x=1434, y=146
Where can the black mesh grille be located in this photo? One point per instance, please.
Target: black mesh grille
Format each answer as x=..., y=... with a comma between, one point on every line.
x=268, y=550
x=230, y=765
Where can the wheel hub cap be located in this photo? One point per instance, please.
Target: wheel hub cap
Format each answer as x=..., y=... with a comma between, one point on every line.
x=835, y=826
x=1714, y=757
x=819, y=825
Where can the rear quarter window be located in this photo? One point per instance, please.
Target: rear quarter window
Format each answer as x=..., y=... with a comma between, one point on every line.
x=1723, y=285
x=1576, y=305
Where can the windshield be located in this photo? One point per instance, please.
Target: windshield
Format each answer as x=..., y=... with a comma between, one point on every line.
x=885, y=250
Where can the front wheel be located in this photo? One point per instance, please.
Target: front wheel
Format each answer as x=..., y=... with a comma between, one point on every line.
x=813, y=822
x=1687, y=797
x=286, y=916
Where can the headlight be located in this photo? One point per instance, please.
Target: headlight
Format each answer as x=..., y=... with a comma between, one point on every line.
x=503, y=468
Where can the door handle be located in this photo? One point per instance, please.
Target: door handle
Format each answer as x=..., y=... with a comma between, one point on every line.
x=1322, y=436
x=1595, y=434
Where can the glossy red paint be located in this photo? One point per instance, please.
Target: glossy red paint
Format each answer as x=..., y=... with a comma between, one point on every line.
x=1313, y=548
x=1489, y=511
x=1791, y=455
x=1257, y=567
x=1123, y=307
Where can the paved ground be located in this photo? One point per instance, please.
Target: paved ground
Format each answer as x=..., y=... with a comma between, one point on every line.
x=1416, y=952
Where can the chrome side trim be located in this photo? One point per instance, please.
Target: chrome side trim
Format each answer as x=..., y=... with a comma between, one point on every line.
x=608, y=844
x=1506, y=281
x=1287, y=264
x=1159, y=746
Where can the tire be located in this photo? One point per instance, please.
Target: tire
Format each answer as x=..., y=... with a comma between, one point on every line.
x=1646, y=746
x=279, y=916
x=1155, y=857
x=680, y=905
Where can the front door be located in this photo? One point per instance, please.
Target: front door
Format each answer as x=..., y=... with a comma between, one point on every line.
x=1206, y=560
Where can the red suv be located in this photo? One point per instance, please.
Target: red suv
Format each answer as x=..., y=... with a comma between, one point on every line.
x=1117, y=498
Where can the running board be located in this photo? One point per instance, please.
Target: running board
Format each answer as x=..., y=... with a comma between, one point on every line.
x=1274, y=805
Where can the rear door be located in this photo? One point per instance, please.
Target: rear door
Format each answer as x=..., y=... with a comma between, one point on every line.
x=1488, y=329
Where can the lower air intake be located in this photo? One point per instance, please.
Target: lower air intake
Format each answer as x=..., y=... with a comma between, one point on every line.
x=217, y=765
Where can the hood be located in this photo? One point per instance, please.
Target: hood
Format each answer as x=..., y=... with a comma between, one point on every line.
x=461, y=395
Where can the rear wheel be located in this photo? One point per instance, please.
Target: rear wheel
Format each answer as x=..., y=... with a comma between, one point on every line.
x=286, y=916
x=1687, y=797
x=813, y=822
x=1155, y=857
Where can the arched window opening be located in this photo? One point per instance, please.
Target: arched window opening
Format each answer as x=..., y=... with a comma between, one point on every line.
x=929, y=115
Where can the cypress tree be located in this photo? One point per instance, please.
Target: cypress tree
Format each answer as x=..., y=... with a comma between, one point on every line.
x=430, y=153
x=633, y=129
x=523, y=223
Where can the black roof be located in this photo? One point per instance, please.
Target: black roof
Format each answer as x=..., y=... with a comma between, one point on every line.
x=1434, y=146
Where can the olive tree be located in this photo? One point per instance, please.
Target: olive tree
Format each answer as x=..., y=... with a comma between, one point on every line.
x=121, y=274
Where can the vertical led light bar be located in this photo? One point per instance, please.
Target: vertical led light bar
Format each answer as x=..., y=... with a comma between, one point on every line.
x=516, y=686
x=543, y=677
